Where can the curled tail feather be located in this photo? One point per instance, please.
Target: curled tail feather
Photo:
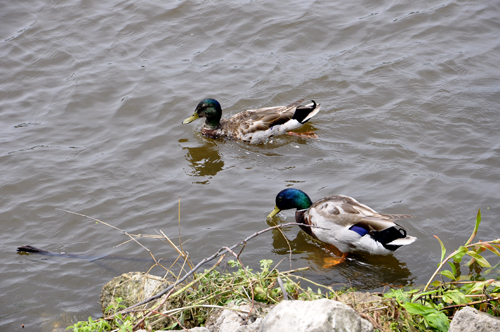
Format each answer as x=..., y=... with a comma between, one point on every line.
x=397, y=216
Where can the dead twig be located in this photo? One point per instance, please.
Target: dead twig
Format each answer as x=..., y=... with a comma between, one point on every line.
x=249, y=279
x=165, y=315
x=151, y=312
x=218, y=253
x=131, y=236
x=289, y=247
x=471, y=303
x=372, y=320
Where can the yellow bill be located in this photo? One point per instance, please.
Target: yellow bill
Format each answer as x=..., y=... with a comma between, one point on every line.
x=275, y=212
x=191, y=118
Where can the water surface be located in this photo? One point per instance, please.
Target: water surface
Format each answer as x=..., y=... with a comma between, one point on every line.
x=92, y=96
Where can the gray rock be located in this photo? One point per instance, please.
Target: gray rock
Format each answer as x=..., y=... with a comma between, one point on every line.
x=471, y=320
x=196, y=329
x=131, y=287
x=134, y=287
x=314, y=316
x=237, y=320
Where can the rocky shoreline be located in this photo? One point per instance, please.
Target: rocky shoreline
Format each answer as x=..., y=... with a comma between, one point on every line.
x=320, y=315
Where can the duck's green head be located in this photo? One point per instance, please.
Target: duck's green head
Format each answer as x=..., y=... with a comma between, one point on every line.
x=289, y=199
x=209, y=109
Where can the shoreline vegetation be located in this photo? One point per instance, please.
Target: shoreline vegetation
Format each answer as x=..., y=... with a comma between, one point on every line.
x=187, y=299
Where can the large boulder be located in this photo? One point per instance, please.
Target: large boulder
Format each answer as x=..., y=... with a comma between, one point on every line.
x=471, y=320
x=314, y=316
x=134, y=287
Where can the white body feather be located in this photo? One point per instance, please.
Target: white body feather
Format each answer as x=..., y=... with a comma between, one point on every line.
x=262, y=135
x=334, y=216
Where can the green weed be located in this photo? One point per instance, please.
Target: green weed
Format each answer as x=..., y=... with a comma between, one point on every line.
x=429, y=308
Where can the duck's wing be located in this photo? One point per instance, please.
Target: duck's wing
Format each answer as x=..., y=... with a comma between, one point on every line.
x=264, y=118
x=253, y=125
x=345, y=211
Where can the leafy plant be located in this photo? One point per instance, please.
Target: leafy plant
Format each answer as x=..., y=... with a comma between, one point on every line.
x=100, y=325
x=399, y=310
x=242, y=283
x=473, y=250
x=124, y=324
x=439, y=300
x=90, y=326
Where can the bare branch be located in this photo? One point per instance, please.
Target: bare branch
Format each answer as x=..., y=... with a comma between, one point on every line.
x=218, y=253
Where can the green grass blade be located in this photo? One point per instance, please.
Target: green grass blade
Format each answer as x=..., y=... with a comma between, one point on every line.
x=478, y=221
x=443, y=249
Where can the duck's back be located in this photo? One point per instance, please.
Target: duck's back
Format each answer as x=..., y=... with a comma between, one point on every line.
x=336, y=216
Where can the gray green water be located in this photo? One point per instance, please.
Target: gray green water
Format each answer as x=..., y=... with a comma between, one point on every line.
x=92, y=95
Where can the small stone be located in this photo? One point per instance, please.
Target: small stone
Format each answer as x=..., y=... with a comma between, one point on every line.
x=227, y=320
x=197, y=329
x=471, y=320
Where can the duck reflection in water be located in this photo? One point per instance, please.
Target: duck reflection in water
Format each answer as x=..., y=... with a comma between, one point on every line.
x=363, y=271
x=204, y=160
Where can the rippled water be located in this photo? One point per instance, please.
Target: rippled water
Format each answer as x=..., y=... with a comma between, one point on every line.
x=92, y=95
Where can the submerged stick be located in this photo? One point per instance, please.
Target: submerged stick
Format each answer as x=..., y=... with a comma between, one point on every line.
x=179, y=215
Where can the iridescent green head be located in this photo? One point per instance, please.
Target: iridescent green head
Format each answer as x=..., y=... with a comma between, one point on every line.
x=209, y=109
x=289, y=199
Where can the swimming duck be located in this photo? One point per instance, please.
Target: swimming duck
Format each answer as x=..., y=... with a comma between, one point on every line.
x=252, y=126
x=345, y=223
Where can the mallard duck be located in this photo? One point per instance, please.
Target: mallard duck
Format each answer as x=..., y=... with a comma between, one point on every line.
x=345, y=223
x=253, y=126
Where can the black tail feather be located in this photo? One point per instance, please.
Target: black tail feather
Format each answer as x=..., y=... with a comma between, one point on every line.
x=388, y=235
x=303, y=111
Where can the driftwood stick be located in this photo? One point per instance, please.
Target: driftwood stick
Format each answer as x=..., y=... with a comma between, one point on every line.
x=218, y=253
x=471, y=303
